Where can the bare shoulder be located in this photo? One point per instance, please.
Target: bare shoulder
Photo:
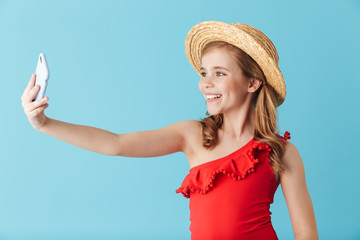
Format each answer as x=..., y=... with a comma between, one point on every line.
x=188, y=125
x=291, y=157
x=294, y=167
x=192, y=134
x=190, y=129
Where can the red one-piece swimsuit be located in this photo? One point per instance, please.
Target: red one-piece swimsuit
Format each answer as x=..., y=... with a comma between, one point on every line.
x=230, y=197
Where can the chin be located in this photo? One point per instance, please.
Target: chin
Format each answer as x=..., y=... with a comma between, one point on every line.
x=213, y=112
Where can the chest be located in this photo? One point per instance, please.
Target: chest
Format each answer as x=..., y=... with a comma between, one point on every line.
x=198, y=155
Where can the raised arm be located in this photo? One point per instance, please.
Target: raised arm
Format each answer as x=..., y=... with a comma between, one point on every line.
x=297, y=196
x=163, y=141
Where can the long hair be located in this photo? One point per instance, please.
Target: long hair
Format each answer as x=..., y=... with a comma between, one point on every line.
x=264, y=99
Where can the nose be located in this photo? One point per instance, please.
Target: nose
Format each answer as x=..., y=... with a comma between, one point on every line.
x=206, y=82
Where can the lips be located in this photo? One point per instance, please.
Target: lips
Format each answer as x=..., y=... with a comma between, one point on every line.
x=213, y=98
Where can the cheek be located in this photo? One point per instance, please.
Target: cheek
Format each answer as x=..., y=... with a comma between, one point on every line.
x=227, y=87
x=200, y=86
x=233, y=90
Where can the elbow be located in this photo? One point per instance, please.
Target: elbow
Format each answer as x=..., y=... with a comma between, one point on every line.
x=111, y=148
x=115, y=154
x=116, y=148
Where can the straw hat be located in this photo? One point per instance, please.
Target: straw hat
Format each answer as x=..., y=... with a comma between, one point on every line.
x=249, y=39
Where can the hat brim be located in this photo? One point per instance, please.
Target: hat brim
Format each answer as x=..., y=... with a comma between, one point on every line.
x=210, y=31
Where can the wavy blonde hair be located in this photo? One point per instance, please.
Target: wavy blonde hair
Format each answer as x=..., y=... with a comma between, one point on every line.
x=264, y=99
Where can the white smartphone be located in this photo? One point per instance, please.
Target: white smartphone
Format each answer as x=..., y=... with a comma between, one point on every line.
x=42, y=76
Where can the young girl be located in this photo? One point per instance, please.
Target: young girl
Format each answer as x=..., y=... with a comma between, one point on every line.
x=237, y=157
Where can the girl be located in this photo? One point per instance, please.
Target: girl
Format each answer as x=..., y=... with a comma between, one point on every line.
x=237, y=158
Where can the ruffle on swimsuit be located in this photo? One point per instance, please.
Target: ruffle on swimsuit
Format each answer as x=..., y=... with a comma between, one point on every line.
x=239, y=164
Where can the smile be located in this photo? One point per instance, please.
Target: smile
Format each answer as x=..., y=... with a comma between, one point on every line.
x=212, y=98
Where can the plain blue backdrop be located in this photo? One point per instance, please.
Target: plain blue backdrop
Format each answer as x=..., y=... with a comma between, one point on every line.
x=121, y=66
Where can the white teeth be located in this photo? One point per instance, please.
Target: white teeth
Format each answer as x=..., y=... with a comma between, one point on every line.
x=212, y=96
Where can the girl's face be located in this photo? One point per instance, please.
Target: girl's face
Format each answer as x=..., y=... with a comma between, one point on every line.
x=222, y=77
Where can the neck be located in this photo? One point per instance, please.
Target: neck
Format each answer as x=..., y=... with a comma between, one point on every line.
x=240, y=124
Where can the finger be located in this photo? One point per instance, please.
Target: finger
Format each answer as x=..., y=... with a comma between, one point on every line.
x=32, y=93
x=28, y=102
x=31, y=82
x=39, y=110
x=30, y=106
x=29, y=86
x=38, y=103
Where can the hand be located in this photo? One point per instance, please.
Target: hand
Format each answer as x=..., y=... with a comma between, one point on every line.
x=34, y=110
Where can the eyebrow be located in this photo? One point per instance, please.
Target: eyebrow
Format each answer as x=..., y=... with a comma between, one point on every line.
x=216, y=67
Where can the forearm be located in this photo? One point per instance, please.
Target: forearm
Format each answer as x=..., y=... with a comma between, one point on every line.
x=86, y=137
x=308, y=236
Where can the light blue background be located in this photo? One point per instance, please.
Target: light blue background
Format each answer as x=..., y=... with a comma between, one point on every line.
x=121, y=66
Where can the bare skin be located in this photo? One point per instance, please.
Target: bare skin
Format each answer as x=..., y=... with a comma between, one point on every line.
x=186, y=136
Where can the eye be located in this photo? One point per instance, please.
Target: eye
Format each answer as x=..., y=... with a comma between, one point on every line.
x=202, y=74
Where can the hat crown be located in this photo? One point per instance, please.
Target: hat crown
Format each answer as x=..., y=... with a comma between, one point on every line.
x=260, y=38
